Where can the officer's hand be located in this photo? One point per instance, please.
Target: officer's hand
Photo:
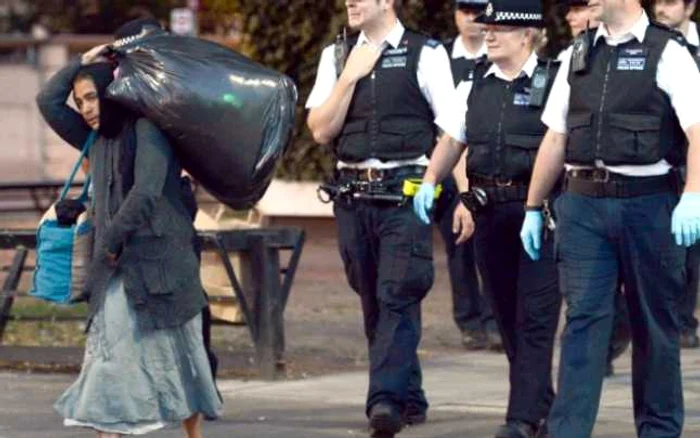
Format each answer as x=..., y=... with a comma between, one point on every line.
x=531, y=233
x=423, y=202
x=462, y=224
x=685, y=222
x=360, y=62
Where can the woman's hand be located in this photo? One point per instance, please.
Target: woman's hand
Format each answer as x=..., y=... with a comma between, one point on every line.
x=95, y=55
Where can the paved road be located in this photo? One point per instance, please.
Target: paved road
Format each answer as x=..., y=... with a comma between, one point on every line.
x=467, y=393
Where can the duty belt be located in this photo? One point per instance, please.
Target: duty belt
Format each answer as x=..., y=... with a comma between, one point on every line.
x=500, y=190
x=601, y=183
x=373, y=174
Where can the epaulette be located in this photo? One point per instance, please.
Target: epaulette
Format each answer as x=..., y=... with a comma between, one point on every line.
x=433, y=43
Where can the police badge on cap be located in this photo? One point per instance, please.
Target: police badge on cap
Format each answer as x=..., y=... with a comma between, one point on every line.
x=520, y=13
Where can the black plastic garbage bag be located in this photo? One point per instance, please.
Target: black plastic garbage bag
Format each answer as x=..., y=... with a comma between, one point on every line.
x=229, y=118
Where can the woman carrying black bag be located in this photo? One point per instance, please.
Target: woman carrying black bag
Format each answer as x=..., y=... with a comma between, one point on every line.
x=145, y=364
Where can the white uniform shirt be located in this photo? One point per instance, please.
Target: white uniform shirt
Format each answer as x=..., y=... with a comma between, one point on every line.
x=693, y=37
x=434, y=78
x=677, y=75
x=465, y=87
x=459, y=50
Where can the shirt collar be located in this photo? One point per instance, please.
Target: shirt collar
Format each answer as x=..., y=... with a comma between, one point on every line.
x=393, y=38
x=693, y=37
x=637, y=31
x=528, y=69
x=459, y=50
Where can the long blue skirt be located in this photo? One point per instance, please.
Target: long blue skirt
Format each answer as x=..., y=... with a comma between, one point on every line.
x=135, y=382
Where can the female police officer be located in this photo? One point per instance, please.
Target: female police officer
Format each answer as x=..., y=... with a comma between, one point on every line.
x=503, y=137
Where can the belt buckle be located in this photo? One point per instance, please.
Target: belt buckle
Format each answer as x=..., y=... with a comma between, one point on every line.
x=372, y=174
x=601, y=175
x=504, y=182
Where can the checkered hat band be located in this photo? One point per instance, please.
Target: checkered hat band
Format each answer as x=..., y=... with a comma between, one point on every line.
x=517, y=16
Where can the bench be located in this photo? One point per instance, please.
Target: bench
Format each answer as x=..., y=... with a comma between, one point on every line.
x=262, y=304
x=42, y=193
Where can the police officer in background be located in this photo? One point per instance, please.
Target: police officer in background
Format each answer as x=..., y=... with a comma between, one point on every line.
x=503, y=131
x=621, y=107
x=379, y=111
x=468, y=46
x=676, y=14
x=471, y=310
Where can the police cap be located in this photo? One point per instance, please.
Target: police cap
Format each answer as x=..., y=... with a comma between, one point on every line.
x=520, y=13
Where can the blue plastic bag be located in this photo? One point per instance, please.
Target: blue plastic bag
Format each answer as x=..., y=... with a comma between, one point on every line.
x=63, y=252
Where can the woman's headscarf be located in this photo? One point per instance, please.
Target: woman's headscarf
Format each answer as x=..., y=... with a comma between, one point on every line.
x=115, y=120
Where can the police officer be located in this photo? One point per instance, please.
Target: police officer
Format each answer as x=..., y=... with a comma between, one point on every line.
x=469, y=45
x=624, y=97
x=676, y=14
x=503, y=134
x=471, y=310
x=579, y=18
x=379, y=111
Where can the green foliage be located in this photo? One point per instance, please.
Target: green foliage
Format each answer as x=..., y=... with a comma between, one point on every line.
x=103, y=17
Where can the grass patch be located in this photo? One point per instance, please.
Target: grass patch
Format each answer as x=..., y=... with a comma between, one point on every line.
x=50, y=332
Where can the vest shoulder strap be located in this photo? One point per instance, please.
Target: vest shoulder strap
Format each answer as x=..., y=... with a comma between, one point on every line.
x=481, y=67
x=658, y=34
x=449, y=46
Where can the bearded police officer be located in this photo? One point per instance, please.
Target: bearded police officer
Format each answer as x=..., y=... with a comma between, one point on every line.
x=676, y=14
x=471, y=310
x=503, y=131
x=624, y=97
x=379, y=111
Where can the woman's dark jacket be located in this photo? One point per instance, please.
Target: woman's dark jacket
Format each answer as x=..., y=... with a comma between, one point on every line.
x=149, y=226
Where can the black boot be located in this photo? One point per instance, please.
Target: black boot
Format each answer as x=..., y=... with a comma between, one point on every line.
x=384, y=421
x=516, y=429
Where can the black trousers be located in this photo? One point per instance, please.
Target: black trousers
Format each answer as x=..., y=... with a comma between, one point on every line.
x=470, y=308
x=622, y=330
x=387, y=253
x=526, y=303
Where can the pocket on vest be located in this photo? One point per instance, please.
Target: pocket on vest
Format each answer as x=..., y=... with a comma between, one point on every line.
x=404, y=139
x=632, y=139
x=522, y=151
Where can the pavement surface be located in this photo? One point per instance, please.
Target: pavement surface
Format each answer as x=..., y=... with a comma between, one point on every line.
x=467, y=391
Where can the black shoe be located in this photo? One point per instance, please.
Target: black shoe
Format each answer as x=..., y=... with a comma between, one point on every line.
x=609, y=369
x=474, y=340
x=384, y=422
x=413, y=416
x=516, y=429
x=690, y=340
x=494, y=341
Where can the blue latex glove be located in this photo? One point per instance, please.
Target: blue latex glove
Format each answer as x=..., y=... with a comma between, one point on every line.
x=685, y=222
x=531, y=233
x=423, y=202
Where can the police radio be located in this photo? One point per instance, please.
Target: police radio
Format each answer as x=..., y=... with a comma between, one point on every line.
x=538, y=84
x=340, y=51
x=580, y=52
